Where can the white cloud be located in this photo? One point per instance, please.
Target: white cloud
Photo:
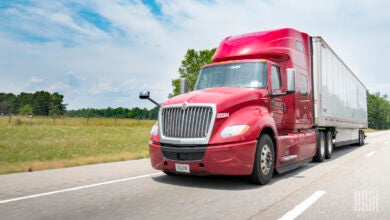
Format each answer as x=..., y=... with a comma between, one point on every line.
x=36, y=80
x=57, y=86
x=103, y=87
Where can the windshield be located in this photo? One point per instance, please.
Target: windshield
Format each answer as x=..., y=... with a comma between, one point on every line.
x=246, y=74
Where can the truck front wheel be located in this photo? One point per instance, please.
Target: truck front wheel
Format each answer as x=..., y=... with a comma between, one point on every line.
x=263, y=166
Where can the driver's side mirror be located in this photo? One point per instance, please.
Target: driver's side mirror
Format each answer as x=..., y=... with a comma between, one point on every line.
x=144, y=94
x=290, y=76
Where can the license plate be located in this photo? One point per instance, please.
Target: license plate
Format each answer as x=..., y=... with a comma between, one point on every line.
x=183, y=168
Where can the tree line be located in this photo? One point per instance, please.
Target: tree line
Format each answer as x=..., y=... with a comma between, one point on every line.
x=378, y=111
x=134, y=113
x=40, y=103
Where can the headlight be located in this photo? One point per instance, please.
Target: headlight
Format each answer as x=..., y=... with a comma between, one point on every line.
x=154, y=130
x=234, y=130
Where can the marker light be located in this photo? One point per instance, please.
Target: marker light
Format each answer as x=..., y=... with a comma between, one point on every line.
x=154, y=130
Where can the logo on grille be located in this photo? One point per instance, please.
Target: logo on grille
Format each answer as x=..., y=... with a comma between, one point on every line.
x=184, y=106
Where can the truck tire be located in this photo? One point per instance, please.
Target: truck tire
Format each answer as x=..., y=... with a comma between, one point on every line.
x=263, y=166
x=320, y=154
x=361, y=138
x=329, y=145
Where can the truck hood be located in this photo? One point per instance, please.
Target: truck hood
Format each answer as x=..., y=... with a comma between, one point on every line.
x=223, y=97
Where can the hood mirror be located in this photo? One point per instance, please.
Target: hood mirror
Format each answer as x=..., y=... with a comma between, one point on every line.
x=146, y=95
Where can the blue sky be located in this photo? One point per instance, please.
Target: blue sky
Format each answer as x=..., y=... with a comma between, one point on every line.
x=101, y=53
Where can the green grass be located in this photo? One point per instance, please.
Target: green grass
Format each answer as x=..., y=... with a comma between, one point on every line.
x=43, y=143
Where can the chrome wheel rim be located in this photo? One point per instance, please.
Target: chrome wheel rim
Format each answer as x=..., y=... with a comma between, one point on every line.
x=266, y=159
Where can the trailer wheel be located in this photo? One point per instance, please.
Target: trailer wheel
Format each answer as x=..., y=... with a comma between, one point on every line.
x=263, y=166
x=329, y=145
x=361, y=138
x=320, y=154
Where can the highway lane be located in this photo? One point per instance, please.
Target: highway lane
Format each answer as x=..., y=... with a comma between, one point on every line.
x=354, y=184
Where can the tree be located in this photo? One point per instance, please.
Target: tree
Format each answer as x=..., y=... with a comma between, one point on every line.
x=41, y=103
x=121, y=112
x=56, y=107
x=153, y=113
x=378, y=110
x=7, y=103
x=24, y=99
x=25, y=110
x=190, y=67
x=108, y=112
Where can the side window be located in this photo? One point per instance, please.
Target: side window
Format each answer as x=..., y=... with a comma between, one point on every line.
x=303, y=84
x=275, y=78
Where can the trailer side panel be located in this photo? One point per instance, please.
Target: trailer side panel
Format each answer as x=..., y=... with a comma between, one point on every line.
x=339, y=96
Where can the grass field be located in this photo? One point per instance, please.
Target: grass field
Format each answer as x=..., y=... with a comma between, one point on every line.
x=29, y=144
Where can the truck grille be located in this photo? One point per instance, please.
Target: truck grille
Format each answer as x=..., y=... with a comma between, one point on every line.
x=191, y=122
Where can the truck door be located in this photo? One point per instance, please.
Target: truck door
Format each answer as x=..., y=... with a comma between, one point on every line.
x=278, y=106
x=304, y=102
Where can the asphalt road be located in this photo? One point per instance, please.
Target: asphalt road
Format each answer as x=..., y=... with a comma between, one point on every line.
x=355, y=184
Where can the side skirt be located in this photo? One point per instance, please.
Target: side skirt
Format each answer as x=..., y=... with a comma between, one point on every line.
x=293, y=166
x=343, y=143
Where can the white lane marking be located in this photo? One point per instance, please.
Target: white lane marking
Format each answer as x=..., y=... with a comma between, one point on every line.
x=77, y=188
x=299, y=209
x=370, y=154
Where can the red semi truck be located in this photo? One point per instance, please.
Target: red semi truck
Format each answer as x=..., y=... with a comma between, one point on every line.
x=269, y=101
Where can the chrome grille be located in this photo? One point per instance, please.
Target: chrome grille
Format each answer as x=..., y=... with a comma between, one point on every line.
x=192, y=122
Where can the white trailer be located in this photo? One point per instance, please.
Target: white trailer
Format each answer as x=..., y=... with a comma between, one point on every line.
x=340, y=104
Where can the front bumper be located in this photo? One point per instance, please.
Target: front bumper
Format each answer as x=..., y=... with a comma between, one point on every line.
x=228, y=159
